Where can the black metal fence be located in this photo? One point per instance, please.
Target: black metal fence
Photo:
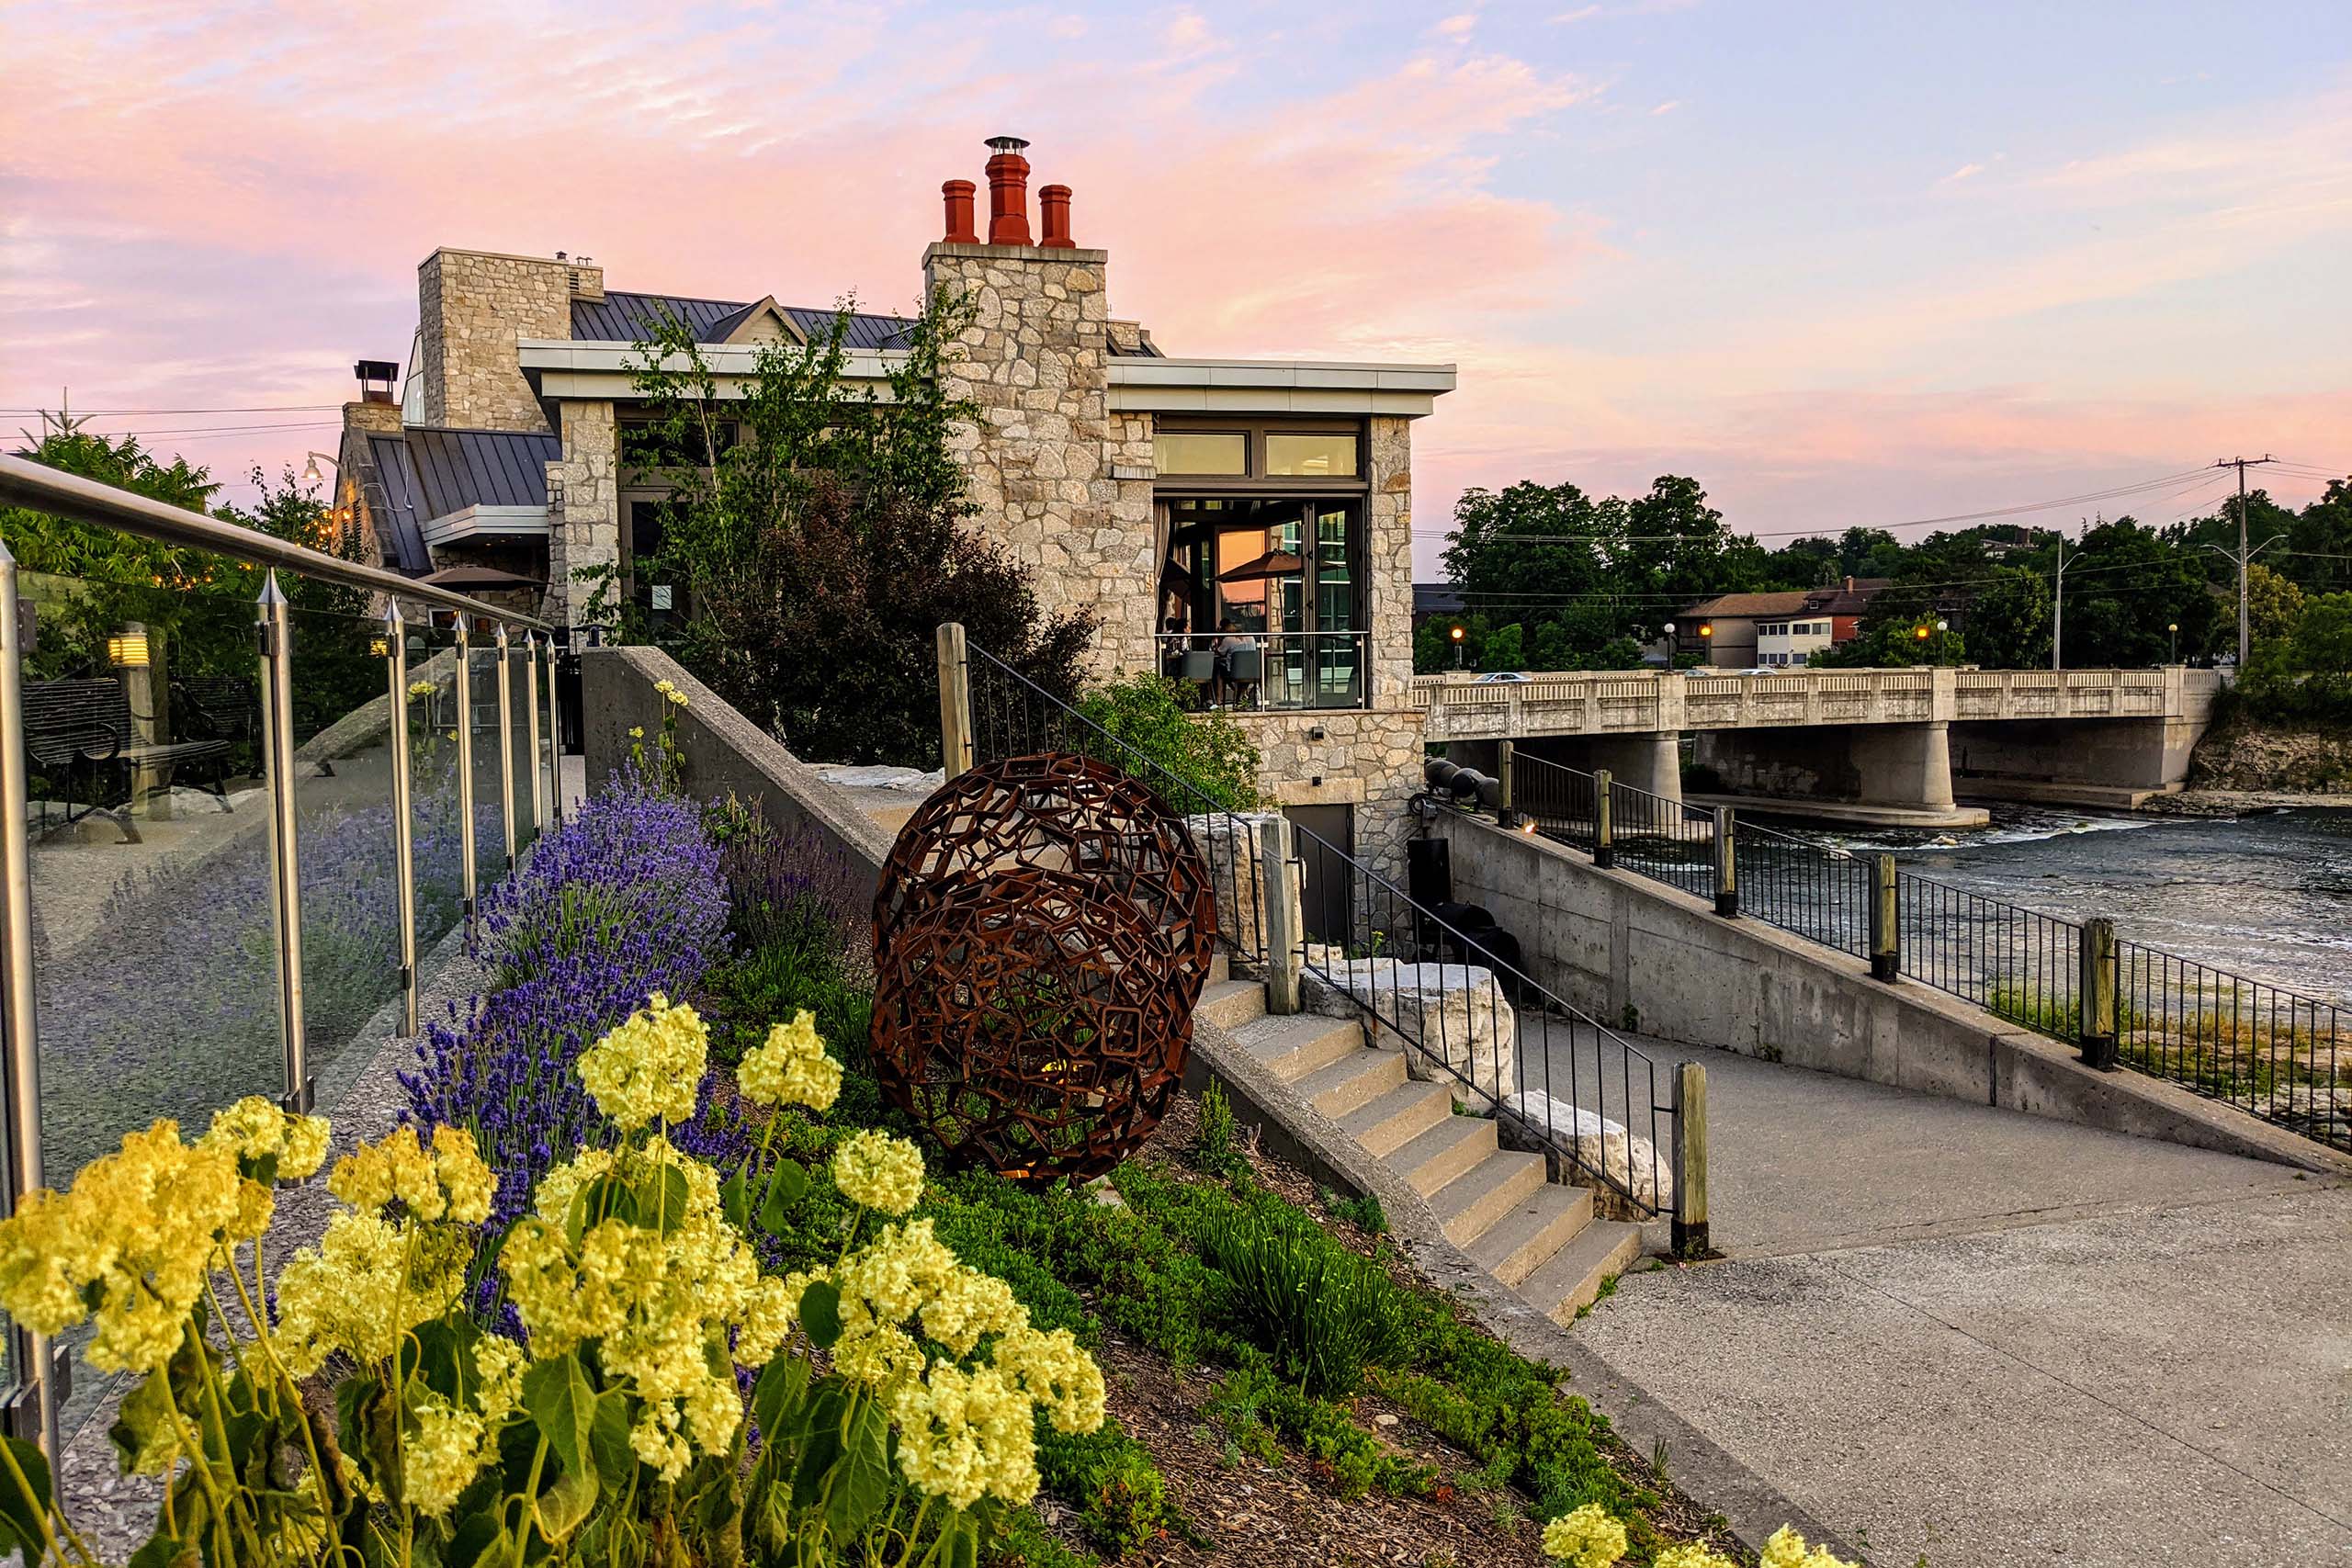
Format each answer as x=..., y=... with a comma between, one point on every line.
x=1584, y=1098
x=2281, y=1055
x=1011, y=715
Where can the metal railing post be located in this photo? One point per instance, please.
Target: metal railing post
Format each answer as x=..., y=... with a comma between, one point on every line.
x=954, y=701
x=404, y=811
x=276, y=638
x=32, y=1402
x=1886, y=948
x=1278, y=905
x=506, y=742
x=467, y=882
x=1504, y=814
x=1726, y=864
x=555, y=740
x=1604, y=837
x=531, y=706
x=1690, y=1160
x=2094, y=995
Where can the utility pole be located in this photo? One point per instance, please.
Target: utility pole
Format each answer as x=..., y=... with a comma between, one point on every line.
x=2058, y=608
x=2245, y=557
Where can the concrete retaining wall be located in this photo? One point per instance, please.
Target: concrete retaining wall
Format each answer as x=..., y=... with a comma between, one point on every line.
x=723, y=752
x=1643, y=957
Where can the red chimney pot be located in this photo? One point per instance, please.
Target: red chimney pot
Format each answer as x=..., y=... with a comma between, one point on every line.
x=1053, y=214
x=958, y=195
x=1008, y=174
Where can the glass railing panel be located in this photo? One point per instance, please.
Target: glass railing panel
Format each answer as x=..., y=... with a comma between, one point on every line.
x=155, y=960
x=483, y=742
x=433, y=752
x=518, y=707
x=347, y=853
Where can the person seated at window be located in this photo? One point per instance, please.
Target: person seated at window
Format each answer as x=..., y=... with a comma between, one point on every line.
x=1231, y=639
x=1174, y=644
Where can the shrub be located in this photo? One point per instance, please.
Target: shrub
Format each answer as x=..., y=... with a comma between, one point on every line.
x=1207, y=751
x=1109, y=1478
x=1319, y=1310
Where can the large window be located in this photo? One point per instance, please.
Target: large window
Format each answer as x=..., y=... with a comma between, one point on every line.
x=1315, y=455
x=1258, y=449
x=1210, y=452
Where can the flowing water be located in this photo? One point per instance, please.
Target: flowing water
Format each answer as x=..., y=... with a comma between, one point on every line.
x=2268, y=895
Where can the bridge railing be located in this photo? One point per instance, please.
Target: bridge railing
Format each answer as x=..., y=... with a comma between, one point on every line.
x=2280, y=1054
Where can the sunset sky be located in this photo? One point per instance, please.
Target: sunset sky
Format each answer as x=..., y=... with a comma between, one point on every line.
x=1843, y=263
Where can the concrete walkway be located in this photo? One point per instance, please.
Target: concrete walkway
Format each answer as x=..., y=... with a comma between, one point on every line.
x=1983, y=1339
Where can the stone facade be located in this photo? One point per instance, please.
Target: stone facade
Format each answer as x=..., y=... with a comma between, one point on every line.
x=474, y=306
x=356, y=484
x=1042, y=456
x=1370, y=762
x=586, y=529
x=1389, y=558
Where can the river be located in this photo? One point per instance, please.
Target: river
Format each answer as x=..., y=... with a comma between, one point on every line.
x=2268, y=895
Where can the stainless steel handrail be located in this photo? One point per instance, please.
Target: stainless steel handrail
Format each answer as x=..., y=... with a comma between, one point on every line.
x=39, y=488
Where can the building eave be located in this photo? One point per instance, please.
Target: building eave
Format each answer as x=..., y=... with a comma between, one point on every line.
x=606, y=372
x=1276, y=387
x=480, y=522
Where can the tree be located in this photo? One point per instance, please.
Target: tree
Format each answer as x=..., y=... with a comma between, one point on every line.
x=2274, y=603
x=1505, y=650
x=818, y=533
x=2008, y=621
x=2132, y=584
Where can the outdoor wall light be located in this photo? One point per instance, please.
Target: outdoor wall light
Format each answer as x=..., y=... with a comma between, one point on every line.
x=1707, y=628
x=127, y=651
x=1455, y=634
x=380, y=647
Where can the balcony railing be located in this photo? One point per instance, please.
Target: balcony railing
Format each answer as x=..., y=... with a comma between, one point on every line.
x=1276, y=671
x=246, y=798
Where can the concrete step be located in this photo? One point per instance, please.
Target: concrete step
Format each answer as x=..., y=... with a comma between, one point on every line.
x=1399, y=1117
x=1469, y=1205
x=1533, y=1234
x=1220, y=964
x=1229, y=1004
x=1293, y=1047
x=1572, y=1280
x=1357, y=1078
x=1434, y=1157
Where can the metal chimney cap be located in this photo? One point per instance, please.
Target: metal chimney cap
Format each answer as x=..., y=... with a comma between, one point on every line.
x=1006, y=144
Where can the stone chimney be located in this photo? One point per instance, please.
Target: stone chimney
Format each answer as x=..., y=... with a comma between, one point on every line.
x=583, y=274
x=472, y=305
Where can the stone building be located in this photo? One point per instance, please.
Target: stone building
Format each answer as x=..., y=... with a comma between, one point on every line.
x=1172, y=496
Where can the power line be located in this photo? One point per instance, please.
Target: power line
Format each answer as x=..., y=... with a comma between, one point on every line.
x=144, y=414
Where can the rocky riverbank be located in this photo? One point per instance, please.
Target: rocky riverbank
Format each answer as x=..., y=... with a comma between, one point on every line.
x=2245, y=765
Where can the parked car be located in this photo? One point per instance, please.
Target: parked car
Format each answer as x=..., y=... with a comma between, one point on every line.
x=1501, y=677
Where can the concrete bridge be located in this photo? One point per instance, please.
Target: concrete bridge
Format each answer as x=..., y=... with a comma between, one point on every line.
x=1887, y=745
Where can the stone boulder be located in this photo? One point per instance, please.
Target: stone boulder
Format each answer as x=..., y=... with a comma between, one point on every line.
x=1229, y=844
x=1451, y=1020
x=1596, y=1141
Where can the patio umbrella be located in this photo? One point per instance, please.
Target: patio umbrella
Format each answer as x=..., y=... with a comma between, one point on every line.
x=478, y=579
x=1272, y=564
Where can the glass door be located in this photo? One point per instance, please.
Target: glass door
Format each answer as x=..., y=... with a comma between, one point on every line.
x=1338, y=662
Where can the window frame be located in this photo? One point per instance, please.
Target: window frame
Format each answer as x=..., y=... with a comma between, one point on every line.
x=1255, y=430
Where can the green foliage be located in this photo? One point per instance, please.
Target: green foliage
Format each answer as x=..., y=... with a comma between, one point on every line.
x=1109, y=1477
x=1365, y=1213
x=1213, y=1147
x=1319, y=1310
x=2305, y=676
x=1255, y=1408
x=1207, y=751
x=818, y=536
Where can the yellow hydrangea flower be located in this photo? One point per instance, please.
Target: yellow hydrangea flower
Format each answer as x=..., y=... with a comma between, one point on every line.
x=1787, y=1550
x=879, y=1171
x=440, y=1459
x=367, y=1283
x=651, y=1067
x=257, y=1128
x=1054, y=1372
x=498, y=1373
x=1692, y=1554
x=962, y=1435
x=449, y=1182
x=790, y=1067
x=1588, y=1537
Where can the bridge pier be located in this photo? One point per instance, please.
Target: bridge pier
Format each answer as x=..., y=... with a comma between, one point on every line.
x=1894, y=775
x=1651, y=762
x=2117, y=762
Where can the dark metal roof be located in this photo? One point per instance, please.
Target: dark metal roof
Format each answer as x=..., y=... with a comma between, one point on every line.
x=631, y=318
x=458, y=468
x=864, y=330
x=393, y=509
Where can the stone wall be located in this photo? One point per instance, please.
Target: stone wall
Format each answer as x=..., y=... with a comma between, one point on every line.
x=585, y=531
x=1389, y=558
x=1370, y=762
x=472, y=306
x=1040, y=461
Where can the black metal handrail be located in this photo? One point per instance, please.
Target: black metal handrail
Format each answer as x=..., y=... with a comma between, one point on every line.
x=1388, y=926
x=2277, y=1053
x=1015, y=717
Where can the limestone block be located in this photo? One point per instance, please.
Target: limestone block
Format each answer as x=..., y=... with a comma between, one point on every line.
x=1229, y=844
x=1595, y=1142
x=1450, y=1020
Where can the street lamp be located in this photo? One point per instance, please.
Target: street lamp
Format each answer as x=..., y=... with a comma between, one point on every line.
x=2172, y=629
x=1456, y=632
x=311, y=468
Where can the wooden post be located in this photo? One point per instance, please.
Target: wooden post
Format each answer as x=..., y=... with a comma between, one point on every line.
x=2094, y=995
x=1886, y=954
x=1604, y=818
x=1726, y=867
x=1690, y=1160
x=1503, y=812
x=954, y=701
x=1278, y=905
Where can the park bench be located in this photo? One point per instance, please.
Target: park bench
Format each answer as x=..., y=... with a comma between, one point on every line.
x=77, y=734
x=221, y=708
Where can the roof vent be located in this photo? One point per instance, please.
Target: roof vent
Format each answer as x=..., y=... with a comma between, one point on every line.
x=375, y=379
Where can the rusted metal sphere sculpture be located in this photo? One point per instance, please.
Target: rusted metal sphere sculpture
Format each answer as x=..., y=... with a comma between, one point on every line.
x=1042, y=931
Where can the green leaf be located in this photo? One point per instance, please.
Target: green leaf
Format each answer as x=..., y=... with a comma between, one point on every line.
x=608, y=1441
x=564, y=1405
x=564, y=1505
x=735, y=1199
x=442, y=1351
x=145, y=1419
x=818, y=1456
x=164, y=1552
x=821, y=1313
x=25, y=1514
x=861, y=1483
x=664, y=1207
x=472, y=1537
x=776, y=1397
x=607, y=1198
x=787, y=1182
